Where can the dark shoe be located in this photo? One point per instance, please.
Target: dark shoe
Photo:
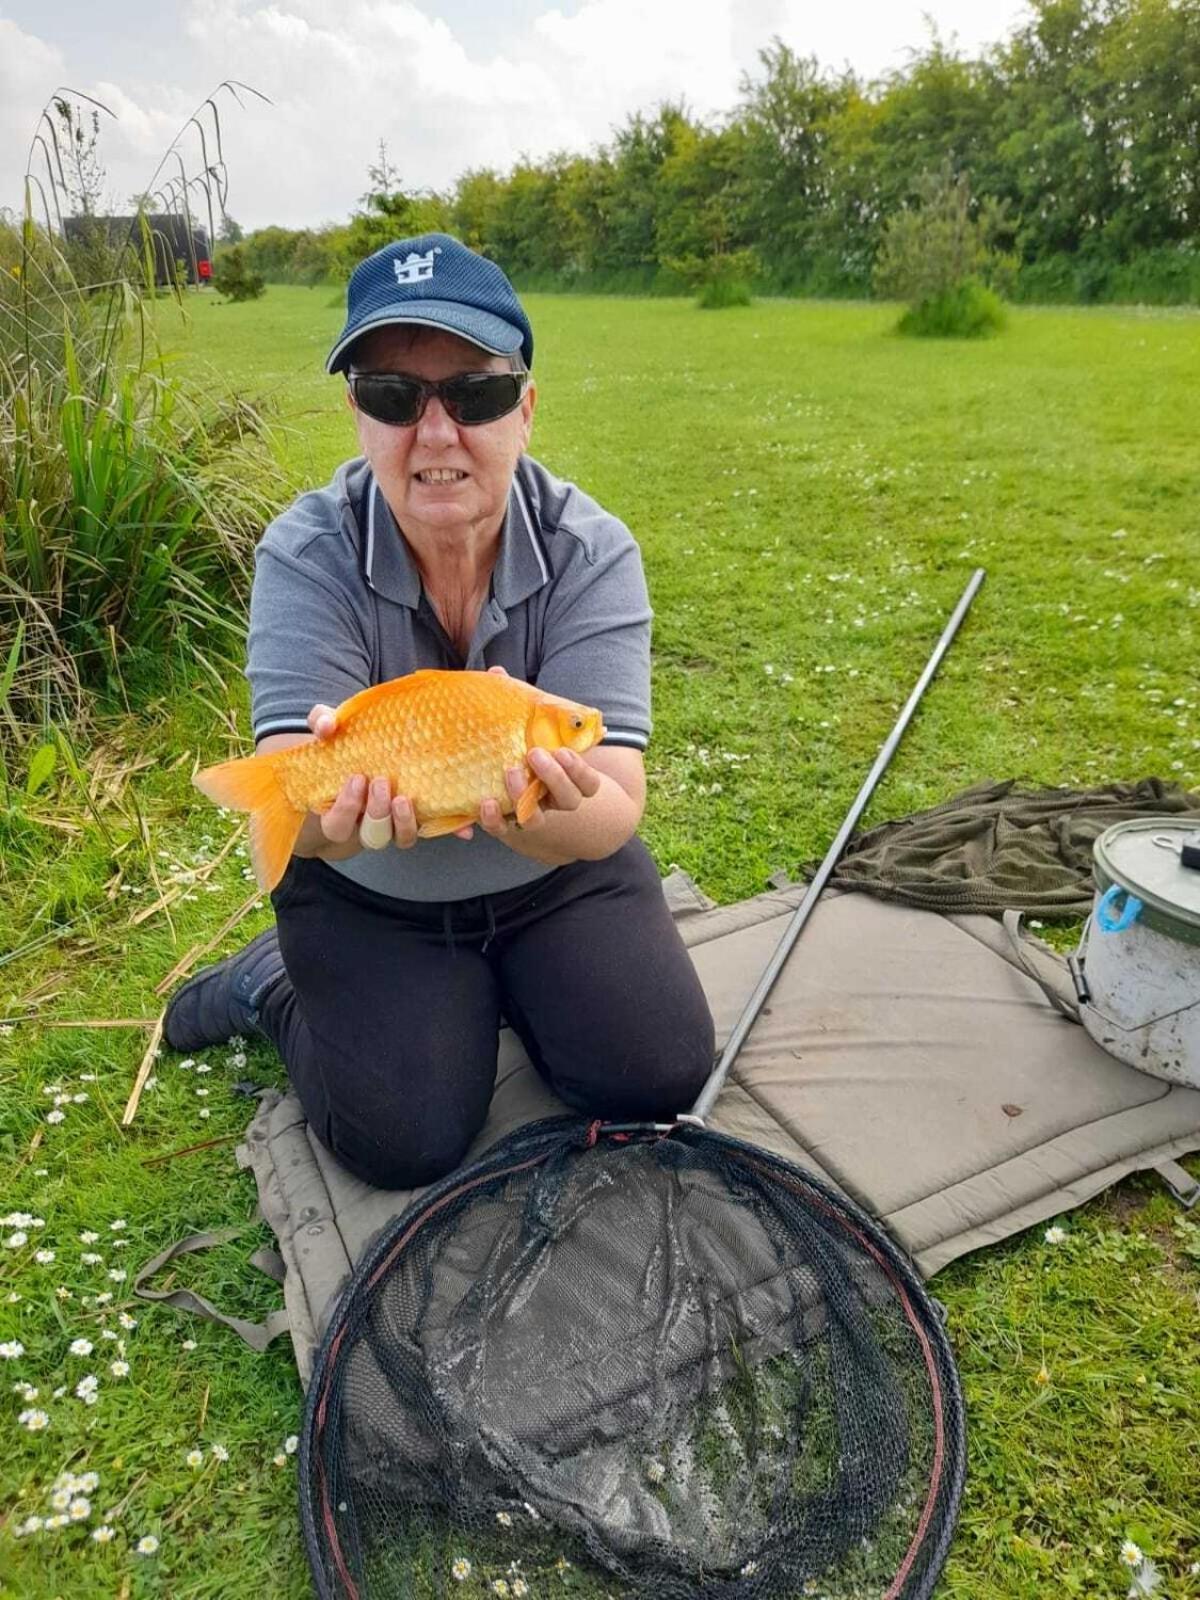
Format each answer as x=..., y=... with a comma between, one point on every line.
x=225, y=999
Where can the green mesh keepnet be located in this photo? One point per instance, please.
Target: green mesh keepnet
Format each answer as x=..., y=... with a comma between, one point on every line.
x=638, y=1365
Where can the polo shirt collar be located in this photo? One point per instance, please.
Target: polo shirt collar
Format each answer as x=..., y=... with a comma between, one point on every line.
x=521, y=566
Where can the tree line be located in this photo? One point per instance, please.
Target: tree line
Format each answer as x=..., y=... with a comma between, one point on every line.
x=1078, y=137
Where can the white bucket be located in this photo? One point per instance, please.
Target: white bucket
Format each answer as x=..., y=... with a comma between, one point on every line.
x=1141, y=949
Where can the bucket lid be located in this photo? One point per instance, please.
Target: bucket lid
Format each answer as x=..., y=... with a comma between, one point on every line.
x=1143, y=857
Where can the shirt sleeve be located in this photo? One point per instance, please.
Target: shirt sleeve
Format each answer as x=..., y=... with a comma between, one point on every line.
x=596, y=638
x=306, y=646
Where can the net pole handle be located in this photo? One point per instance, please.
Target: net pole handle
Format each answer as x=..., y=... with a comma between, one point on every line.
x=806, y=907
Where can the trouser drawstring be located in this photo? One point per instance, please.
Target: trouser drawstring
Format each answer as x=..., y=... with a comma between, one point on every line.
x=448, y=923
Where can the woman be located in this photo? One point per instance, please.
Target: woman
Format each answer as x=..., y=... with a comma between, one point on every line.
x=393, y=961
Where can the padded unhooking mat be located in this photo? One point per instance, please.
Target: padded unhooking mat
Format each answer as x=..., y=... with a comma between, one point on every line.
x=904, y=1056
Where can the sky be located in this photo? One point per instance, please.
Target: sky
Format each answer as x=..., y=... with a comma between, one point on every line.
x=448, y=84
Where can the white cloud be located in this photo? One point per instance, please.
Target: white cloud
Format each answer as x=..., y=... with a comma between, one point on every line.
x=29, y=70
x=343, y=74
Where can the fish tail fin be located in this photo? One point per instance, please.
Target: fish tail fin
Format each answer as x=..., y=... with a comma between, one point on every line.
x=252, y=784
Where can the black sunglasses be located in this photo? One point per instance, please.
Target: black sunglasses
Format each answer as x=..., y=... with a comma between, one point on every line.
x=470, y=398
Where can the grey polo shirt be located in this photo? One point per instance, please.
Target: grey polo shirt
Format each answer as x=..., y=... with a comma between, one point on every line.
x=338, y=605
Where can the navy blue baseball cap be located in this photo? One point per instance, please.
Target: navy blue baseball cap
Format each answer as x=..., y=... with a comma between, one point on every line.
x=436, y=281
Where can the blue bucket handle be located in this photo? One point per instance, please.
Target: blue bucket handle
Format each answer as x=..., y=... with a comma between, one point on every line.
x=1130, y=912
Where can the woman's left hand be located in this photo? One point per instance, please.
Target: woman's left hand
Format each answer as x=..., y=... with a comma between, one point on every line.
x=569, y=781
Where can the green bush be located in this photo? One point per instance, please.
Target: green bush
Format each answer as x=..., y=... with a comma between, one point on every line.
x=967, y=311
x=719, y=280
x=721, y=292
x=233, y=278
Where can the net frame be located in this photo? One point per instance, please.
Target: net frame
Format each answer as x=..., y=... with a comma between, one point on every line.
x=558, y=1139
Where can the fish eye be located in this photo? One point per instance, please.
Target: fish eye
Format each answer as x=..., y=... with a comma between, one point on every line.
x=577, y=722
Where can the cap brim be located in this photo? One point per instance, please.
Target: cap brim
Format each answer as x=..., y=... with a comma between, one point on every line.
x=489, y=332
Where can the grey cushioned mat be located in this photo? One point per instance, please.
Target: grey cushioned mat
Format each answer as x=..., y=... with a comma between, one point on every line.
x=903, y=1055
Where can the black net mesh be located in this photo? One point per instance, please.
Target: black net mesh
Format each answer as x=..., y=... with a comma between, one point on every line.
x=637, y=1366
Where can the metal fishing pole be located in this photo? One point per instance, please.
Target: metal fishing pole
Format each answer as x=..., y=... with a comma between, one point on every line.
x=805, y=909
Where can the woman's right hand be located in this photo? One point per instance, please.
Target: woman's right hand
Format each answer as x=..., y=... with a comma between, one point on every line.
x=340, y=826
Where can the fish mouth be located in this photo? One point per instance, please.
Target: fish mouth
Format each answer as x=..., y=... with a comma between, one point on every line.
x=439, y=477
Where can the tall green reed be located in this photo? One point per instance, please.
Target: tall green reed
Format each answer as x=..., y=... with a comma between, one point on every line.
x=131, y=493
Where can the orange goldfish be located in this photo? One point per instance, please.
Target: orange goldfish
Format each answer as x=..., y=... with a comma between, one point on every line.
x=445, y=739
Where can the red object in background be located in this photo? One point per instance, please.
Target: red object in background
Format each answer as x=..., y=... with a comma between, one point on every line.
x=204, y=269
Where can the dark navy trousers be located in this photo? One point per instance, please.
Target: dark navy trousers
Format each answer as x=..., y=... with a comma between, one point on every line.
x=389, y=1019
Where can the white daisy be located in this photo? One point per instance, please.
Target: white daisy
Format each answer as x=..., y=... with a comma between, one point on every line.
x=35, y=1421
x=16, y=1240
x=126, y=1320
x=89, y=1258
x=80, y=1508
x=279, y=1460
x=116, y=1228
x=11, y=1350
x=292, y=1443
x=43, y=1257
x=25, y=1390
x=146, y=1545
x=117, y=1274
x=220, y=1452
x=1131, y=1553
x=1055, y=1235
x=56, y=1115
x=104, y=1534
x=88, y=1237
x=119, y=1369
x=195, y=1458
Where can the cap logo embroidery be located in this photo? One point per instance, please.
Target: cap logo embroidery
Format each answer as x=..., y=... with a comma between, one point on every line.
x=414, y=267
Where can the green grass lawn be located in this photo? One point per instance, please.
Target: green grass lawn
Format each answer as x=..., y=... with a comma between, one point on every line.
x=811, y=494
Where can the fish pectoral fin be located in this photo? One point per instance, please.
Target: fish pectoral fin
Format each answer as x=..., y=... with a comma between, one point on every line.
x=527, y=804
x=438, y=826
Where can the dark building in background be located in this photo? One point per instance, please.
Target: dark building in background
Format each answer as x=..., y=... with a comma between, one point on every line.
x=180, y=246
